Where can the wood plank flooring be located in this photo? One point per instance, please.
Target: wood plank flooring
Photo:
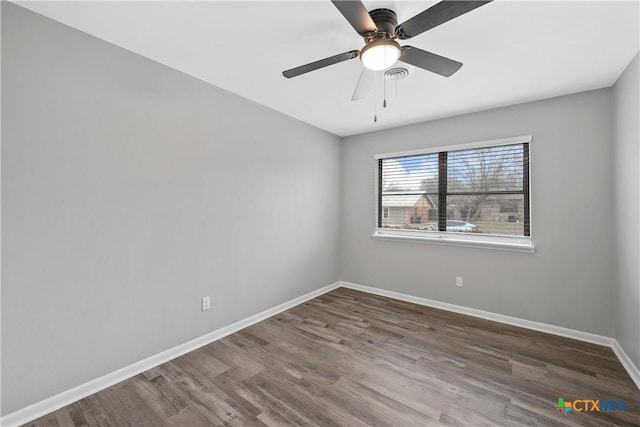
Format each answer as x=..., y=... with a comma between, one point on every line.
x=348, y=358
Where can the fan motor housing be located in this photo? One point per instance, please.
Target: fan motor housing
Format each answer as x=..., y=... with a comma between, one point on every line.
x=386, y=20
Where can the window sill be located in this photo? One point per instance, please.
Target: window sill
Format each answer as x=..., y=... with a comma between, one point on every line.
x=465, y=240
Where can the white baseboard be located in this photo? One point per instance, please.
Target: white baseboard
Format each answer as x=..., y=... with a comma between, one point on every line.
x=58, y=401
x=515, y=321
x=633, y=370
x=65, y=398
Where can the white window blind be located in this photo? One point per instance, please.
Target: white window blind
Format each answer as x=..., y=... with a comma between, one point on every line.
x=475, y=191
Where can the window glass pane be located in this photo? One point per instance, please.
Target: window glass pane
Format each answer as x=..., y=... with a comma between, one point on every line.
x=409, y=211
x=410, y=174
x=486, y=213
x=485, y=169
x=486, y=192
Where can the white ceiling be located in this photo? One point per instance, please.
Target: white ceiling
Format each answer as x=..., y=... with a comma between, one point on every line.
x=513, y=51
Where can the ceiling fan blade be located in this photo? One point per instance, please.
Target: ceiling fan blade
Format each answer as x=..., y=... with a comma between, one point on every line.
x=436, y=15
x=357, y=15
x=365, y=85
x=320, y=64
x=429, y=61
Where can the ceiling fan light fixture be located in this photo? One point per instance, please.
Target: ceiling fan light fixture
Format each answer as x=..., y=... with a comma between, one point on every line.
x=380, y=54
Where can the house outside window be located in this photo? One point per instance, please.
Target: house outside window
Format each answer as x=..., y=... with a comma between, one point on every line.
x=473, y=193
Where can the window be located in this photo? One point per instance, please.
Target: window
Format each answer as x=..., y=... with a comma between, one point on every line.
x=509, y=208
x=475, y=194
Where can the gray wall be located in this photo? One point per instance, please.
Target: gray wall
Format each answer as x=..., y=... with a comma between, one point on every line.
x=626, y=198
x=567, y=282
x=130, y=191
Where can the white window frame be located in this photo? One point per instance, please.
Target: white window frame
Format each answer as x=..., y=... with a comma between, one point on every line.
x=488, y=241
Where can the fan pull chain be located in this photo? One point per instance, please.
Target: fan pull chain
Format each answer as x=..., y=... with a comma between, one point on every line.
x=375, y=99
x=384, y=83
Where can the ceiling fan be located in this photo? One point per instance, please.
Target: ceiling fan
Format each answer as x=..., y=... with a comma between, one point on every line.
x=380, y=31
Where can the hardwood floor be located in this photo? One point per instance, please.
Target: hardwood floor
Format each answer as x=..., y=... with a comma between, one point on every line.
x=349, y=358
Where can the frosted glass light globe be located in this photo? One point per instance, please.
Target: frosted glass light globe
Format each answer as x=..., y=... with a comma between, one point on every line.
x=380, y=54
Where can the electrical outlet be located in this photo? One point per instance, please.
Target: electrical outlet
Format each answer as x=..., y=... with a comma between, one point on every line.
x=459, y=281
x=206, y=303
